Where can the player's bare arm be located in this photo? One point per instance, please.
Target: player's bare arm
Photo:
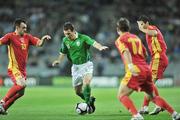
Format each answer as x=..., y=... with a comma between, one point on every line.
x=43, y=39
x=59, y=59
x=128, y=59
x=150, y=32
x=99, y=46
x=143, y=27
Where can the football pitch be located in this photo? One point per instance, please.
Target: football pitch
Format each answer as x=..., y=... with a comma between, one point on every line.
x=56, y=103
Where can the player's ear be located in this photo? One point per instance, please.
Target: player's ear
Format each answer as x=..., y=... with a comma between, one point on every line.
x=17, y=27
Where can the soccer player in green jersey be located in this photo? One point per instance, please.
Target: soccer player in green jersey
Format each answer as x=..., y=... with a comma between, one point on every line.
x=76, y=46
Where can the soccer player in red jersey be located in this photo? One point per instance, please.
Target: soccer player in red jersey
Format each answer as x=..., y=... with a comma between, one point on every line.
x=18, y=43
x=138, y=75
x=159, y=60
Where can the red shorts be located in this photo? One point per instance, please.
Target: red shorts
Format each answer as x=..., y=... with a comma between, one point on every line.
x=158, y=65
x=15, y=75
x=142, y=82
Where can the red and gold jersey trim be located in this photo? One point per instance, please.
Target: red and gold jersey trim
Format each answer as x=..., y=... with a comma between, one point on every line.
x=156, y=45
x=13, y=65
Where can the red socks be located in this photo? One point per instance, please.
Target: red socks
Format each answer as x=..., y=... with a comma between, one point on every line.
x=146, y=100
x=12, y=91
x=11, y=100
x=127, y=102
x=163, y=104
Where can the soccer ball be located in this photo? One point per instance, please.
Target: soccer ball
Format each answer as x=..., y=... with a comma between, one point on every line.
x=81, y=108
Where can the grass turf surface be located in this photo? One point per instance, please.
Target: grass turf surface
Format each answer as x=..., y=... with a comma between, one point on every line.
x=53, y=103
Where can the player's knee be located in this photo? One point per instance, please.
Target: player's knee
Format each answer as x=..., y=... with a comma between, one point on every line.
x=21, y=82
x=123, y=92
x=120, y=94
x=86, y=81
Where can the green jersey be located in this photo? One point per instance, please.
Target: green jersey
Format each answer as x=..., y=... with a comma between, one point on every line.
x=77, y=50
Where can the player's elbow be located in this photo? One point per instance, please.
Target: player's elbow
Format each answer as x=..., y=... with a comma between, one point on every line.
x=39, y=44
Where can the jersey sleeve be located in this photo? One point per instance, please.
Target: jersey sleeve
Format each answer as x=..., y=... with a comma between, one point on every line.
x=5, y=40
x=63, y=48
x=152, y=28
x=33, y=40
x=89, y=40
x=121, y=45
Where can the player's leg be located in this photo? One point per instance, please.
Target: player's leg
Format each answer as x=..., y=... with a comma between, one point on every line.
x=87, y=75
x=157, y=74
x=78, y=90
x=87, y=92
x=159, y=101
x=77, y=81
x=144, y=109
x=19, y=84
x=154, y=68
x=86, y=87
x=13, y=99
x=157, y=108
x=123, y=96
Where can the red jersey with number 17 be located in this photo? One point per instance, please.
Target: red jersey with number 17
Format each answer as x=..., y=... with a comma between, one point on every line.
x=156, y=44
x=134, y=45
x=18, y=51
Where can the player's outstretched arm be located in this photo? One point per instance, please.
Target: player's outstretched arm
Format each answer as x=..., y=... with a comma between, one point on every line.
x=99, y=46
x=45, y=37
x=128, y=58
x=59, y=59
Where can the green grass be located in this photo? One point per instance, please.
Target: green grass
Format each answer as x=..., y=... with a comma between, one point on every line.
x=53, y=103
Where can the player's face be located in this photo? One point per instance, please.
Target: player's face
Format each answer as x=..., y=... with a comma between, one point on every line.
x=22, y=28
x=70, y=34
x=140, y=24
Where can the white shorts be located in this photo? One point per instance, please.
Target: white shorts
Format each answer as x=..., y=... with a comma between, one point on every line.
x=79, y=71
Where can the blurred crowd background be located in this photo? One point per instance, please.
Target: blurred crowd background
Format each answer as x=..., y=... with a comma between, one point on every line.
x=96, y=18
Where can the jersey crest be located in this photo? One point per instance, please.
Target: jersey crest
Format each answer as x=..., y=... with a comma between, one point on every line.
x=78, y=43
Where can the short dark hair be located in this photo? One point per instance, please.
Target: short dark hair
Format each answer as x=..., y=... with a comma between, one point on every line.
x=123, y=24
x=68, y=26
x=144, y=18
x=18, y=21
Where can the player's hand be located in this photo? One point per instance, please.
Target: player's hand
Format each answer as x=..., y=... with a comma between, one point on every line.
x=132, y=69
x=46, y=37
x=56, y=62
x=103, y=48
